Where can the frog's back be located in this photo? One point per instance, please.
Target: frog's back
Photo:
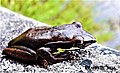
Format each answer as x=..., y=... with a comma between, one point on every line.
x=37, y=37
x=18, y=39
x=32, y=38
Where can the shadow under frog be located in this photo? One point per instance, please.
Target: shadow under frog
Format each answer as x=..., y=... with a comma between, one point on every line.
x=39, y=44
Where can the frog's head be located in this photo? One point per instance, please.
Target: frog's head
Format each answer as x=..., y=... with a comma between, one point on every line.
x=82, y=38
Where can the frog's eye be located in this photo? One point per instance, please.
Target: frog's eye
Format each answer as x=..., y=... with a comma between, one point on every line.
x=77, y=24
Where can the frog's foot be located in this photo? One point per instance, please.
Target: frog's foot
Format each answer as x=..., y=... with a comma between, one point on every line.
x=44, y=54
x=20, y=52
x=42, y=62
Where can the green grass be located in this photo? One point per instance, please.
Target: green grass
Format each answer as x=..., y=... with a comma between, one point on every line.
x=58, y=12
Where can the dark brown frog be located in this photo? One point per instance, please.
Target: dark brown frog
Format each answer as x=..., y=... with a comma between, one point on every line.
x=40, y=43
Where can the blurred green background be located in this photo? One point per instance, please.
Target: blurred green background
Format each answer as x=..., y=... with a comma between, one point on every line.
x=59, y=12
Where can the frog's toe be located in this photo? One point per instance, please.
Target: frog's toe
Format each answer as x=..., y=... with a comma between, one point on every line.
x=43, y=63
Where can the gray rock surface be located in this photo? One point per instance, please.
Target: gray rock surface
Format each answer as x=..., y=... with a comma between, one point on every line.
x=93, y=59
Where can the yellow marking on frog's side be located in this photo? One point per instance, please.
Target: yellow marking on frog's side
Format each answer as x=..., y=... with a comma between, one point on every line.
x=60, y=50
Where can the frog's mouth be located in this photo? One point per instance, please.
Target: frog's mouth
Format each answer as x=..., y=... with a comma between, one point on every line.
x=87, y=43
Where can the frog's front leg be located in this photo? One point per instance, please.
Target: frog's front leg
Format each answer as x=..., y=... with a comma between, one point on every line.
x=20, y=52
x=46, y=55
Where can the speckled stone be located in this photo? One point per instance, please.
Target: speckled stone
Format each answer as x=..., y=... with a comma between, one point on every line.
x=93, y=59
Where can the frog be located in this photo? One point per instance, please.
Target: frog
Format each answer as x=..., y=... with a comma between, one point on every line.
x=39, y=43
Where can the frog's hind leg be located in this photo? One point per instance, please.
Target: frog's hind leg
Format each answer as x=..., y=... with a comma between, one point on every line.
x=20, y=52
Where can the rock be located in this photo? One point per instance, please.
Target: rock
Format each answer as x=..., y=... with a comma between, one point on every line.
x=93, y=59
